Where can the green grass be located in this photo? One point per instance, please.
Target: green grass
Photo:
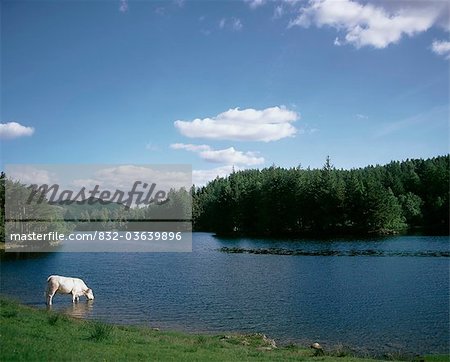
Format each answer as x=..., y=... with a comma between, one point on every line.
x=29, y=334
x=101, y=331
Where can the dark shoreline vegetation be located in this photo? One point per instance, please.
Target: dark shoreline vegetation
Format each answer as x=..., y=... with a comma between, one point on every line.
x=30, y=334
x=411, y=196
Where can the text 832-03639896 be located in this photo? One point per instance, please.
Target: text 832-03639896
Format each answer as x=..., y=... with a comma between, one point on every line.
x=139, y=235
x=99, y=235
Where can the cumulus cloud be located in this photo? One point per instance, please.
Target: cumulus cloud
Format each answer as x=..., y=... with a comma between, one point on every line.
x=367, y=24
x=124, y=176
x=228, y=156
x=202, y=177
x=270, y=124
x=29, y=175
x=438, y=6
x=441, y=48
x=232, y=156
x=190, y=147
x=14, y=130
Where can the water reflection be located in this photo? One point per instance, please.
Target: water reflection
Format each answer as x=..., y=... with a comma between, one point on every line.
x=82, y=309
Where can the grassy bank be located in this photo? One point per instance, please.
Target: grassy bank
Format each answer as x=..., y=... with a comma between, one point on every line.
x=29, y=334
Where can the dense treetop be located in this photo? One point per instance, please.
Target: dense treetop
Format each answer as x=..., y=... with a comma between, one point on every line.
x=375, y=199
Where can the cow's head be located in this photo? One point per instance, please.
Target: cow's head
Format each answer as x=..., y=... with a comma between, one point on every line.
x=89, y=294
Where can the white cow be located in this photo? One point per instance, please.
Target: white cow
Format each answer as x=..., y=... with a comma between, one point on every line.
x=64, y=285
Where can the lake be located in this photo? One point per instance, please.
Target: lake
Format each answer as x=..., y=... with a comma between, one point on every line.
x=394, y=300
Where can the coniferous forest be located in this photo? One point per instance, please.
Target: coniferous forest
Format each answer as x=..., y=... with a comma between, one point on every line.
x=407, y=196
x=412, y=195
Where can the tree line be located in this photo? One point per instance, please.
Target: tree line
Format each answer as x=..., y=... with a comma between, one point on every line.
x=399, y=196
x=275, y=201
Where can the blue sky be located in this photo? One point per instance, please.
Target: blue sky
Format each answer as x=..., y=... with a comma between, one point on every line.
x=218, y=84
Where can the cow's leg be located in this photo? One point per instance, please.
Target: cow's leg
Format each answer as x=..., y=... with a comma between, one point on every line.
x=73, y=297
x=51, y=290
x=50, y=294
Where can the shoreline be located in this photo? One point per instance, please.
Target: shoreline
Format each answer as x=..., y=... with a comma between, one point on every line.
x=24, y=328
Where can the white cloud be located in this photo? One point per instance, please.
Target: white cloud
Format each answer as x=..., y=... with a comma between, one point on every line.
x=202, y=177
x=367, y=24
x=124, y=176
x=88, y=183
x=361, y=116
x=14, y=130
x=270, y=124
x=29, y=175
x=441, y=48
x=123, y=8
x=232, y=156
x=234, y=24
x=228, y=156
x=442, y=8
x=190, y=147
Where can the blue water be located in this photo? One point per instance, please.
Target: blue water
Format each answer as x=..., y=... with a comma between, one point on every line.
x=370, y=303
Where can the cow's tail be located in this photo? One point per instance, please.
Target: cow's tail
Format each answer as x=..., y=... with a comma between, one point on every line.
x=49, y=278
